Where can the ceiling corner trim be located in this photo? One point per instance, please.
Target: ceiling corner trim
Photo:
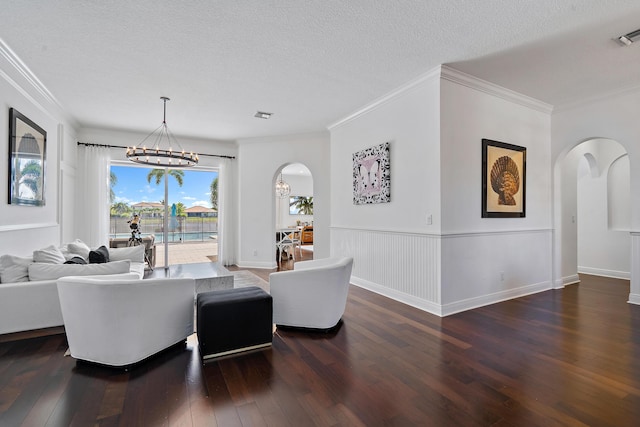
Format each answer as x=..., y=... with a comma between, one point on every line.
x=630, y=90
x=402, y=90
x=476, y=83
x=23, y=70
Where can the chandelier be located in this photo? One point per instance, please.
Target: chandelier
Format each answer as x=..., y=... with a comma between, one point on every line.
x=282, y=188
x=155, y=155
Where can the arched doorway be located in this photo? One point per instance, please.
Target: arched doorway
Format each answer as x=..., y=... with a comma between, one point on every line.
x=294, y=211
x=592, y=212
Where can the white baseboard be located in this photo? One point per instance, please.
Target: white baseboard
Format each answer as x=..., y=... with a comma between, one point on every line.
x=452, y=308
x=567, y=280
x=481, y=301
x=634, y=299
x=255, y=264
x=605, y=273
x=428, y=306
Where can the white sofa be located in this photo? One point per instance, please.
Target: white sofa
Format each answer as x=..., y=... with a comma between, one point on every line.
x=121, y=321
x=34, y=304
x=312, y=295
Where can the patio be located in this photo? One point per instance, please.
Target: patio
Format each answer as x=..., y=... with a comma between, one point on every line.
x=187, y=253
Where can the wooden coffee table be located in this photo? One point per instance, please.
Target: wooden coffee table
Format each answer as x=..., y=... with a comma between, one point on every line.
x=209, y=276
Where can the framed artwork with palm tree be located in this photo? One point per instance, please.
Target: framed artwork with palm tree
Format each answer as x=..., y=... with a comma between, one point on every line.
x=301, y=205
x=27, y=154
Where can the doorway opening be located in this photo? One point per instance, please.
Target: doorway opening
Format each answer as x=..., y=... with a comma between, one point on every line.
x=593, y=212
x=294, y=216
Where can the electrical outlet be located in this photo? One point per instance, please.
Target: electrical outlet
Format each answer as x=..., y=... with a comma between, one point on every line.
x=429, y=219
x=255, y=252
x=502, y=276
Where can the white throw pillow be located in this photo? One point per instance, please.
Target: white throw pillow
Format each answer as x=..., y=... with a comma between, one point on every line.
x=133, y=254
x=14, y=268
x=78, y=248
x=42, y=271
x=50, y=255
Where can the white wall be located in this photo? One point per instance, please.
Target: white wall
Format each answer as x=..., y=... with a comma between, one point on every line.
x=259, y=161
x=396, y=252
x=460, y=261
x=485, y=260
x=26, y=228
x=613, y=117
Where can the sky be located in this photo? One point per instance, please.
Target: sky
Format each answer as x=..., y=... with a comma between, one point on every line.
x=132, y=187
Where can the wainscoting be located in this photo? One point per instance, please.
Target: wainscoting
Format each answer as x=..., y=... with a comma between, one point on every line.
x=402, y=266
x=446, y=274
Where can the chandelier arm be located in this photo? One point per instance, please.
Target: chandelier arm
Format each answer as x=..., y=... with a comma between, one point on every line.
x=162, y=157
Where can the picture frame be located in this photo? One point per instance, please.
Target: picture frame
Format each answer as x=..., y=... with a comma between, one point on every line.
x=503, y=180
x=372, y=175
x=301, y=205
x=27, y=156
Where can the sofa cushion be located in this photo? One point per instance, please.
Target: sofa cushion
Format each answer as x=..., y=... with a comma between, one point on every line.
x=99, y=256
x=133, y=254
x=50, y=255
x=14, y=268
x=78, y=247
x=76, y=260
x=42, y=271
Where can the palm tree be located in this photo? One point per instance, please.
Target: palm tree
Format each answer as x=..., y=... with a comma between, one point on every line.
x=31, y=178
x=180, y=209
x=158, y=174
x=214, y=193
x=304, y=205
x=113, y=180
x=120, y=209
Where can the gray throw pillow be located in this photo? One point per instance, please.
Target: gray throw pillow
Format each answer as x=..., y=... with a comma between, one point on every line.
x=99, y=256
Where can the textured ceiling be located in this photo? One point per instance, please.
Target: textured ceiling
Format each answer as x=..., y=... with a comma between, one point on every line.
x=311, y=63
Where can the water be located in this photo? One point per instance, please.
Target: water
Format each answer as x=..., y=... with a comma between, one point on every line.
x=177, y=237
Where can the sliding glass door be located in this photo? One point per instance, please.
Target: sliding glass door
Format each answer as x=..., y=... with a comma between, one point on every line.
x=138, y=208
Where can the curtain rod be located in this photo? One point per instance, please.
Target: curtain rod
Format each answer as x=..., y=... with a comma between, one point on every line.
x=87, y=144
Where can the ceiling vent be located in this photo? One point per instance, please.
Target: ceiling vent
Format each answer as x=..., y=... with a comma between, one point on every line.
x=629, y=38
x=262, y=115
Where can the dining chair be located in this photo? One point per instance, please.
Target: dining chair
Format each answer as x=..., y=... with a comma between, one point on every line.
x=296, y=239
x=286, y=244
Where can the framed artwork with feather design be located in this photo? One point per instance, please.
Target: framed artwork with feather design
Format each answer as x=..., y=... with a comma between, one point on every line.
x=504, y=180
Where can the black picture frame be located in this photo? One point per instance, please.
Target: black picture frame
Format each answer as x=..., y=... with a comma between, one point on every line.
x=504, y=180
x=27, y=156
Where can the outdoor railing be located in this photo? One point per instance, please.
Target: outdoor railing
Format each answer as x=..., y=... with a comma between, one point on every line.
x=181, y=229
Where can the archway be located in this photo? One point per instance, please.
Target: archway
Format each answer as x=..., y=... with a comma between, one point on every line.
x=294, y=211
x=591, y=188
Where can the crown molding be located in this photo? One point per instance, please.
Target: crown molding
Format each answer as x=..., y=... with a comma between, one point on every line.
x=407, y=87
x=476, y=83
x=629, y=90
x=20, y=76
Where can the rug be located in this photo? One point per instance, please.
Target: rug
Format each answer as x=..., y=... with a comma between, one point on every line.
x=244, y=278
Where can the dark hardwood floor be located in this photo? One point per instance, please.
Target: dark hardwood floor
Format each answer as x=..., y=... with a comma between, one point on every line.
x=568, y=357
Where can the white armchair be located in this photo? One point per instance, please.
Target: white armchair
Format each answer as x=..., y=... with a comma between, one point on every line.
x=119, y=321
x=313, y=294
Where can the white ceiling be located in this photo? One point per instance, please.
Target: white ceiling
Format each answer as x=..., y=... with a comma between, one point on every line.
x=309, y=62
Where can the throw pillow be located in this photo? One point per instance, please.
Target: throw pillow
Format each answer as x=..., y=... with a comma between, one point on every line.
x=50, y=255
x=78, y=247
x=99, y=256
x=133, y=254
x=42, y=271
x=14, y=268
x=76, y=260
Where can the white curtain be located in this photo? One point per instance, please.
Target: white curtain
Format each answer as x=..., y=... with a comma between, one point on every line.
x=92, y=213
x=226, y=213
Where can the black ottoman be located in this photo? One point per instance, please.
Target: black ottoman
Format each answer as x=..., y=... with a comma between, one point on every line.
x=233, y=320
